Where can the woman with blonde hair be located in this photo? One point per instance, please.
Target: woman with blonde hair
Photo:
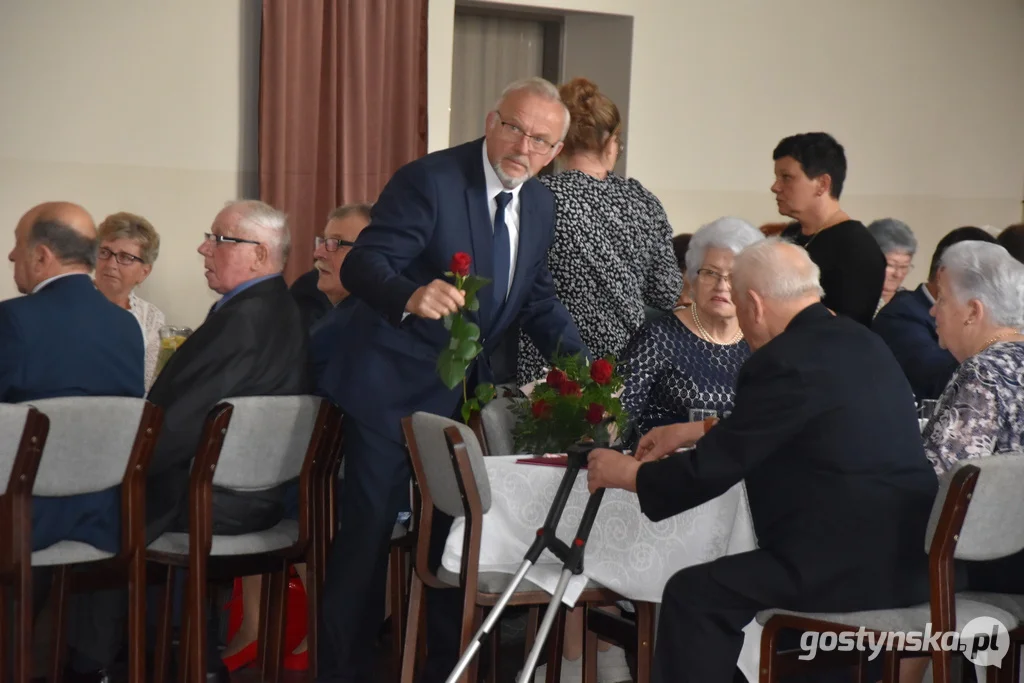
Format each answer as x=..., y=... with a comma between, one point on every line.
x=612, y=251
x=128, y=247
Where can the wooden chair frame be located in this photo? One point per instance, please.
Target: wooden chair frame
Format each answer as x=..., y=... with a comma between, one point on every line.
x=16, y=546
x=775, y=665
x=200, y=566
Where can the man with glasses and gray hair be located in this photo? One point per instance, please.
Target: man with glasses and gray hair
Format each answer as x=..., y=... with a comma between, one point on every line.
x=480, y=198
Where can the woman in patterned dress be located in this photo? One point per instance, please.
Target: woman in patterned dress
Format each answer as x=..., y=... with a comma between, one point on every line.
x=690, y=360
x=979, y=312
x=128, y=248
x=612, y=251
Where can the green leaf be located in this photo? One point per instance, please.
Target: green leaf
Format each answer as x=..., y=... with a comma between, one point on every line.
x=451, y=369
x=472, y=331
x=473, y=284
x=484, y=392
x=468, y=349
x=468, y=407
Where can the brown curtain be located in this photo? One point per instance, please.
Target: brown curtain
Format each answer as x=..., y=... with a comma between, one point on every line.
x=343, y=104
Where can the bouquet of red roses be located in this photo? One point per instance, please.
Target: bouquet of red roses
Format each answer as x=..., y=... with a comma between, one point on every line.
x=575, y=401
x=464, y=342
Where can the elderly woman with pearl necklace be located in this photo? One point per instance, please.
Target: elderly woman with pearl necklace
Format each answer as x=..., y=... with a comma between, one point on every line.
x=688, y=361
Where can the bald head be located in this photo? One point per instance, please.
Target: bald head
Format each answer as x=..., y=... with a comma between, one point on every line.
x=54, y=238
x=773, y=281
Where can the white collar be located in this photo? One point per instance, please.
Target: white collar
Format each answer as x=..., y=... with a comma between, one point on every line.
x=928, y=294
x=494, y=186
x=44, y=283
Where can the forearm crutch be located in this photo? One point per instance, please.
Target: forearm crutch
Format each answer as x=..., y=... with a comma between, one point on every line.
x=570, y=555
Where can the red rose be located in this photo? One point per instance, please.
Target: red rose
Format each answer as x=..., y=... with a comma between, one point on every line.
x=555, y=378
x=595, y=413
x=570, y=388
x=460, y=263
x=541, y=409
x=601, y=371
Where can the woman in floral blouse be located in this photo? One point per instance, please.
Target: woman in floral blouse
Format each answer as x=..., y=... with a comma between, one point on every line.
x=128, y=248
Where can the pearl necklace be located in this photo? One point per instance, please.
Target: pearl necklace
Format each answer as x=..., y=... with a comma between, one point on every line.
x=706, y=335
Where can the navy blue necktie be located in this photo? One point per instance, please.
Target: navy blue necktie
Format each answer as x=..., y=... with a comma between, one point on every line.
x=502, y=251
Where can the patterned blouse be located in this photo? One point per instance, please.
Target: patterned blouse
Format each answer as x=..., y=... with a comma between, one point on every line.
x=612, y=253
x=151, y=319
x=981, y=412
x=669, y=370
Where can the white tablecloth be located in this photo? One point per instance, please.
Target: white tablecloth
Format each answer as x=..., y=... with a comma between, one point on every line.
x=626, y=552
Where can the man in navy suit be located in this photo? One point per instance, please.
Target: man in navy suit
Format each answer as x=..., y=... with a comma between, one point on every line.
x=477, y=198
x=66, y=339
x=907, y=326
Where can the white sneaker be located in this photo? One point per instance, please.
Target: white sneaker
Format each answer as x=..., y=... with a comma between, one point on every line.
x=612, y=666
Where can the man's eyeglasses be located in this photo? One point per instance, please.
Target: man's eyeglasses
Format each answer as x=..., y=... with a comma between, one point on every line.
x=221, y=239
x=514, y=132
x=332, y=243
x=122, y=257
x=713, y=276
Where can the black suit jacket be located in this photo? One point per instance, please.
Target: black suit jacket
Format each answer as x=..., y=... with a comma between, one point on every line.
x=253, y=345
x=907, y=326
x=383, y=368
x=825, y=433
x=313, y=303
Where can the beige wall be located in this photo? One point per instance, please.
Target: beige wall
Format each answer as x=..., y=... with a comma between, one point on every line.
x=150, y=107
x=926, y=96
x=121, y=105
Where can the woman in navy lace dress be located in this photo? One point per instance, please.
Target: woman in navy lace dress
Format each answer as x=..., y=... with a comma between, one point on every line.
x=689, y=360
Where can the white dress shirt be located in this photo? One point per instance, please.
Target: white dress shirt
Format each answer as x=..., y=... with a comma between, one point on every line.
x=512, y=211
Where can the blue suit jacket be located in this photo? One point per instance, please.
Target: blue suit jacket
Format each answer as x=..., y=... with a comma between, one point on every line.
x=907, y=326
x=69, y=340
x=383, y=367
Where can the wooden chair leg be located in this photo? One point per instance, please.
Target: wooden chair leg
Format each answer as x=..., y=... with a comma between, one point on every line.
x=474, y=666
x=645, y=618
x=266, y=615
x=5, y=655
x=397, y=589
x=556, y=643
x=197, y=606
x=941, y=666
x=58, y=627
x=589, y=648
x=274, y=650
x=313, y=592
x=23, y=626
x=137, y=619
x=161, y=658
x=412, y=633
x=185, y=633
x=891, y=668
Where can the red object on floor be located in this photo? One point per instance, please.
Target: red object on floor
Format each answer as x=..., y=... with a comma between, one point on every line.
x=295, y=614
x=297, y=662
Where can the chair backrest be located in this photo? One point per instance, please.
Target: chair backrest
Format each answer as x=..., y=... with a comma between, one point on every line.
x=14, y=422
x=438, y=468
x=993, y=525
x=266, y=441
x=90, y=442
x=498, y=423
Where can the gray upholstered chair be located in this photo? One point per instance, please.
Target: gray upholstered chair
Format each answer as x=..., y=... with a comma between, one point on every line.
x=494, y=427
x=978, y=515
x=450, y=475
x=23, y=431
x=251, y=444
x=98, y=443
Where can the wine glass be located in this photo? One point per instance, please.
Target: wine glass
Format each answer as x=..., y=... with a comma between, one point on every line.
x=170, y=339
x=701, y=414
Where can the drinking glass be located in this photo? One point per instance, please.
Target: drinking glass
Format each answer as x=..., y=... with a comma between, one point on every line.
x=926, y=409
x=170, y=339
x=700, y=414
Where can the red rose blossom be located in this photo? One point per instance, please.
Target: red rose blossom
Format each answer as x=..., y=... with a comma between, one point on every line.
x=460, y=263
x=595, y=413
x=570, y=388
x=541, y=409
x=555, y=378
x=601, y=371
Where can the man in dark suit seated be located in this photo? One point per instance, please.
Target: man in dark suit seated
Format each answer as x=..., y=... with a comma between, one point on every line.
x=252, y=343
x=66, y=339
x=479, y=198
x=825, y=435
x=343, y=227
x=907, y=326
